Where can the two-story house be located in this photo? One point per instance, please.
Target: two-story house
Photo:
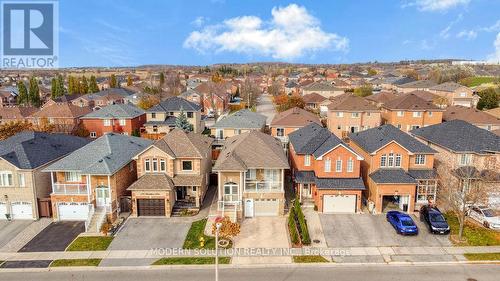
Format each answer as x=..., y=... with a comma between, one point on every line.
x=289, y=121
x=22, y=183
x=326, y=170
x=124, y=119
x=410, y=111
x=472, y=115
x=419, y=85
x=251, y=174
x=65, y=117
x=160, y=119
x=236, y=123
x=456, y=94
x=16, y=113
x=397, y=169
x=173, y=171
x=464, y=152
x=325, y=88
x=350, y=114
x=102, y=98
x=89, y=183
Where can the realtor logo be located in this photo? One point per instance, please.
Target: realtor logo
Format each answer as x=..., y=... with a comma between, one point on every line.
x=29, y=34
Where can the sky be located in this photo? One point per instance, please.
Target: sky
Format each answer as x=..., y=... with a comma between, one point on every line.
x=180, y=32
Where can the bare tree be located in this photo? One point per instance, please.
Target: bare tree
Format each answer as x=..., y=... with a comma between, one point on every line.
x=249, y=92
x=274, y=89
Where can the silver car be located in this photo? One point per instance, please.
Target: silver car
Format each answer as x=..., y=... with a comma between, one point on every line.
x=485, y=216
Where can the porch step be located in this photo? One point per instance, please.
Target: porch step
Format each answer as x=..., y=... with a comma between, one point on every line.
x=94, y=221
x=181, y=207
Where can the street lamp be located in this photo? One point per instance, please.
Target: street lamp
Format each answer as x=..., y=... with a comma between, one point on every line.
x=217, y=228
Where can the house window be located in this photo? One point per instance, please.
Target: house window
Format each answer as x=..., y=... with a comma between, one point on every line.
x=417, y=114
x=72, y=176
x=193, y=188
x=463, y=94
x=338, y=127
x=230, y=191
x=398, y=160
x=189, y=114
x=430, y=113
x=340, y=114
x=426, y=191
x=155, y=165
x=355, y=115
x=368, y=114
x=162, y=165
x=465, y=159
x=107, y=122
x=147, y=165
x=383, y=160
x=328, y=165
x=251, y=174
x=220, y=134
x=280, y=132
x=5, y=178
x=93, y=135
x=22, y=182
x=390, y=162
x=123, y=122
x=187, y=165
x=153, y=115
x=237, y=131
x=420, y=159
x=401, y=113
x=414, y=127
x=338, y=166
x=307, y=160
x=155, y=129
x=171, y=113
x=350, y=165
x=399, y=126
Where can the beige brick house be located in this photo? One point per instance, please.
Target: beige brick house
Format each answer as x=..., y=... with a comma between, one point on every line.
x=456, y=94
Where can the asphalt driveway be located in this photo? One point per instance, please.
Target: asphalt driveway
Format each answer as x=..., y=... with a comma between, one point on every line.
x=365, y=230
x=10, y=229
x=55, y=237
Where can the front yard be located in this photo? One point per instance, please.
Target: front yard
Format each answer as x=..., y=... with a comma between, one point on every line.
x=193, y=237
x=90, y=243
x=191, y=260
x=473, y=234
x=75, y=262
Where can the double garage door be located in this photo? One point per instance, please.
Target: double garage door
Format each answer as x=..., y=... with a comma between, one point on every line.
x=20, y=210
x=339, y=203
x=73, y=211
x=150, y=207
x=266, y=207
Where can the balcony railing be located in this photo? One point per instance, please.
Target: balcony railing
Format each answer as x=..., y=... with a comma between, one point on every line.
x=69, y=188
x=231, y=197
x=282, y=138
x=263, y=186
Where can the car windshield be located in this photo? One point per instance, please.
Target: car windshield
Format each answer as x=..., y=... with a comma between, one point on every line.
x=435, y=217
x=488, y=213
x=407, y=222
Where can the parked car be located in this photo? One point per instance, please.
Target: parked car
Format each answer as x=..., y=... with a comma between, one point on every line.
x=434, y=220
x=402, y=223
x=485, y=216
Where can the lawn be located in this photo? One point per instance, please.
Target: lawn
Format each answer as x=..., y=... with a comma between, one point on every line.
x=76, y=262
x=308, y=259
x=476, y=81
x=191, y=260
x=474, y=234
x=90, y=243
x=483, y=257
x=193, y=236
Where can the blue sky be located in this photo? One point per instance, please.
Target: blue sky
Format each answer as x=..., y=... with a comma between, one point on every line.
x=128, y=32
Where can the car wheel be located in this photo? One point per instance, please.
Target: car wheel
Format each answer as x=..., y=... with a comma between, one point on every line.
x=486, y=224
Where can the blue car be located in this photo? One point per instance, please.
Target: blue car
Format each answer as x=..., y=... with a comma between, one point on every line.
x=402, y=223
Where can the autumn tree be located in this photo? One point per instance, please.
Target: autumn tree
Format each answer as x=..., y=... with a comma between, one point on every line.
x=249, y=92
x=372, y=72
x=411, y=73
x=84, y=85
x=364, y=90
x=129, y=80
x=146, y=103
x=23, y=98
x=93, y=88
x=274, y=89
x=286, y=102
x=489, y=98
x=11, y=128
x=441, y=74
x=112, y=81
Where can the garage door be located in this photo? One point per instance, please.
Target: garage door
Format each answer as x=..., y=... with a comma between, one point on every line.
x=3, y=210
x=266, y=207
x=150, y=207
x=73, y=211
x=339, y=204
x=22, y=210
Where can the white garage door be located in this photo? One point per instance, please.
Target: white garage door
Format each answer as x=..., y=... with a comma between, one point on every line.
x=3, y=210
x=339, y=204
x=73, y=211
x=22, y=210
x=266, y=207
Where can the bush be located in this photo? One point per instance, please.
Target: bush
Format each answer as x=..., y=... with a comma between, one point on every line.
x=292, y=227
x=228, y=228
x=304, y=232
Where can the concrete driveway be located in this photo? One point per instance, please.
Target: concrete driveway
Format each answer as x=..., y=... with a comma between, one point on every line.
x=262, y=232
x=10, y=229
x=365, y=230
x=55, y=237
x=265, y=107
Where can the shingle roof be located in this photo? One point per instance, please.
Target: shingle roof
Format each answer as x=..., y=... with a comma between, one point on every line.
x=398, y=80
x=410, y=101
x=447, y=87
x=471, y=115
x=178, y=143
x=251, y=150
x=304, y=177
x=391, y=176
x=313, y=98
x=373, y=139
x=62, y=110
x=16, y=112
x=187, y=180
x=460, y=136
x=422, y=174
x=242, y=119
x=294, y=117
x=382, y=97
x=116, y=111
x=321, y=86
x=340, y=183
x=175, y=104
x=104, y=156
x=30, y=150
x=150, y=181
x=350, y=102
x=419, y=84
x=425, y=95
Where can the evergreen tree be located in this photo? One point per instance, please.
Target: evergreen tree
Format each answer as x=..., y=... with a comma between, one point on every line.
x=112, y=81
x=71, y=85
x=22, y=99
x=93, y=88
x=53, y=88
x=162, y=79
x=84, y=86
x=182, y=122
x=129, y=80
x=34, y=93
x=60, y=86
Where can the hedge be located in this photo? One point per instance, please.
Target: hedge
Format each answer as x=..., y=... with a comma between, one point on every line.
x=292, y=227
x=306, y=239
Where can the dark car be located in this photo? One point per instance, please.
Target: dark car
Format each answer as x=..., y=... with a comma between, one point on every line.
x=402, y=223
x=434, y=220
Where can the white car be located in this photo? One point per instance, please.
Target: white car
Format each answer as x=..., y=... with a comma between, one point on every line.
x=485, y=216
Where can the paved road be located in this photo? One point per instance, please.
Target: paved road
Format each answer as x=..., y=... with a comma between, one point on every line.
x=265, y=107
x=372, y=273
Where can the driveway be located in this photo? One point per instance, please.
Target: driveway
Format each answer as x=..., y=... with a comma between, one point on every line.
x=55, y=237
x=265, y=107
x=262, y=232
x=10, y=229
x=365, y=230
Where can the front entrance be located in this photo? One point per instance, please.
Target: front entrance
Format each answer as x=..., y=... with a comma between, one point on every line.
x=180, y=193
x=103, y=197
x=306, y=190
x=249, y=208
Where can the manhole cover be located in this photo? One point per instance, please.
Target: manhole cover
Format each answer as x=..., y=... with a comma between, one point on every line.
x=316, y=241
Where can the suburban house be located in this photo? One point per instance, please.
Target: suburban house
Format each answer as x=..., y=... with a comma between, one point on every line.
x=419, y=85
x=314, y=100
x=324, y=88
x=326, y=170
x=289, y=121
x=350, y=114
x=251, y=176
x=8, y=96
x=16, y=113
x=467, y=151
x=474, y=116
x=456, y=94
x=409, y=112
x=120, y=118
x=173, y=174
x=64, y=116
x=160, y=119
x=102, y=98
x=91, y=183
x=397, y=169
x=392, y=83
x=24, y=188
x=379, y=99
x=236, y=123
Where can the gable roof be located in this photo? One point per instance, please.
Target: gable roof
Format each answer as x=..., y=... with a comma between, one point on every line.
x=104, y=156
x=374, y=139
x=321, y=86
x=425, y=95
x=178, y=143
x=30, y=150
x=447, y=87
x=116, y=111
x=410, y=101
x=495, y=112
x=251, y=150
x=313, y=98
x=350, y=102
x=16, y=112
x=398, y=80
x=460, y=136
x=382, y=97
x=175, y=104
x=419, y=84
x=469, y=114
x=243, y=119
x=62, y=110
x=294, y=117
x=392, y=176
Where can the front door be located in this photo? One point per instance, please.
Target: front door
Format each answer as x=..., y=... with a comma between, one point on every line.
x=307, y=190
x=249, y=208
x=180, y=193
x=102, y=196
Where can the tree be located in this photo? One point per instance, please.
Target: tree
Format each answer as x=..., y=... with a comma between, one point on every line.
x=23, y=98
x=129, y=80
x=284, y=102
x=441, y=101
x=372, y=72
x=441, y=74
x=411, y=73
x=249, y=92
x=364, y=90
x=60, y=86
x=112, y=81
x=53, y=88
x=11, y=128
x=489, y=99
x=93, y=88
x=182, y=122
x=162, y=79
x=146, y=103
x=274, y=89
x=84, y=85
x=34, y=92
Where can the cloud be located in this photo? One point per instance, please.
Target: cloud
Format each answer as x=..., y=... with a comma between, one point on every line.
x=495, y=57
x=473, y=33
x=492, y=28
x=436, y=5
x=467, y=34
x=199, y=21
x=445, y=32
x=426, y=45
x=291, y=33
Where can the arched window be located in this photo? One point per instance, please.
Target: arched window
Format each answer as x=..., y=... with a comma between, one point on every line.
x=230, y=191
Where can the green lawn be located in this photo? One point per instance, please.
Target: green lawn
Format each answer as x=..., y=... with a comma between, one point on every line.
x=90, y=243
x=191, y=260
x=76, y=262
x=308, y=259
x=483, y=257
x=476, y=81
x=474, y=235
x=193, y=236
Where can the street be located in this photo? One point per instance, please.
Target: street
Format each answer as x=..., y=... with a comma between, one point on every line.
x=351, y=273
x=265, y=107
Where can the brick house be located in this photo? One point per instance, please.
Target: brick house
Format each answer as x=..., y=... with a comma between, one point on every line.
x=326, y=170
x=64, y=116
x=236, y=123
x=456, y=94
x=325, y=88
x=102, y=98
x=16, y=113
x=124, y=119
x=397, y=169
x=419, y=85
x=288, y=121
x=474, y=116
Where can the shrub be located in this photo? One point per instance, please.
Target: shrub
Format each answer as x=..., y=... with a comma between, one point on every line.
x=228, y=228
x=304, y=232
x=292, y=227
